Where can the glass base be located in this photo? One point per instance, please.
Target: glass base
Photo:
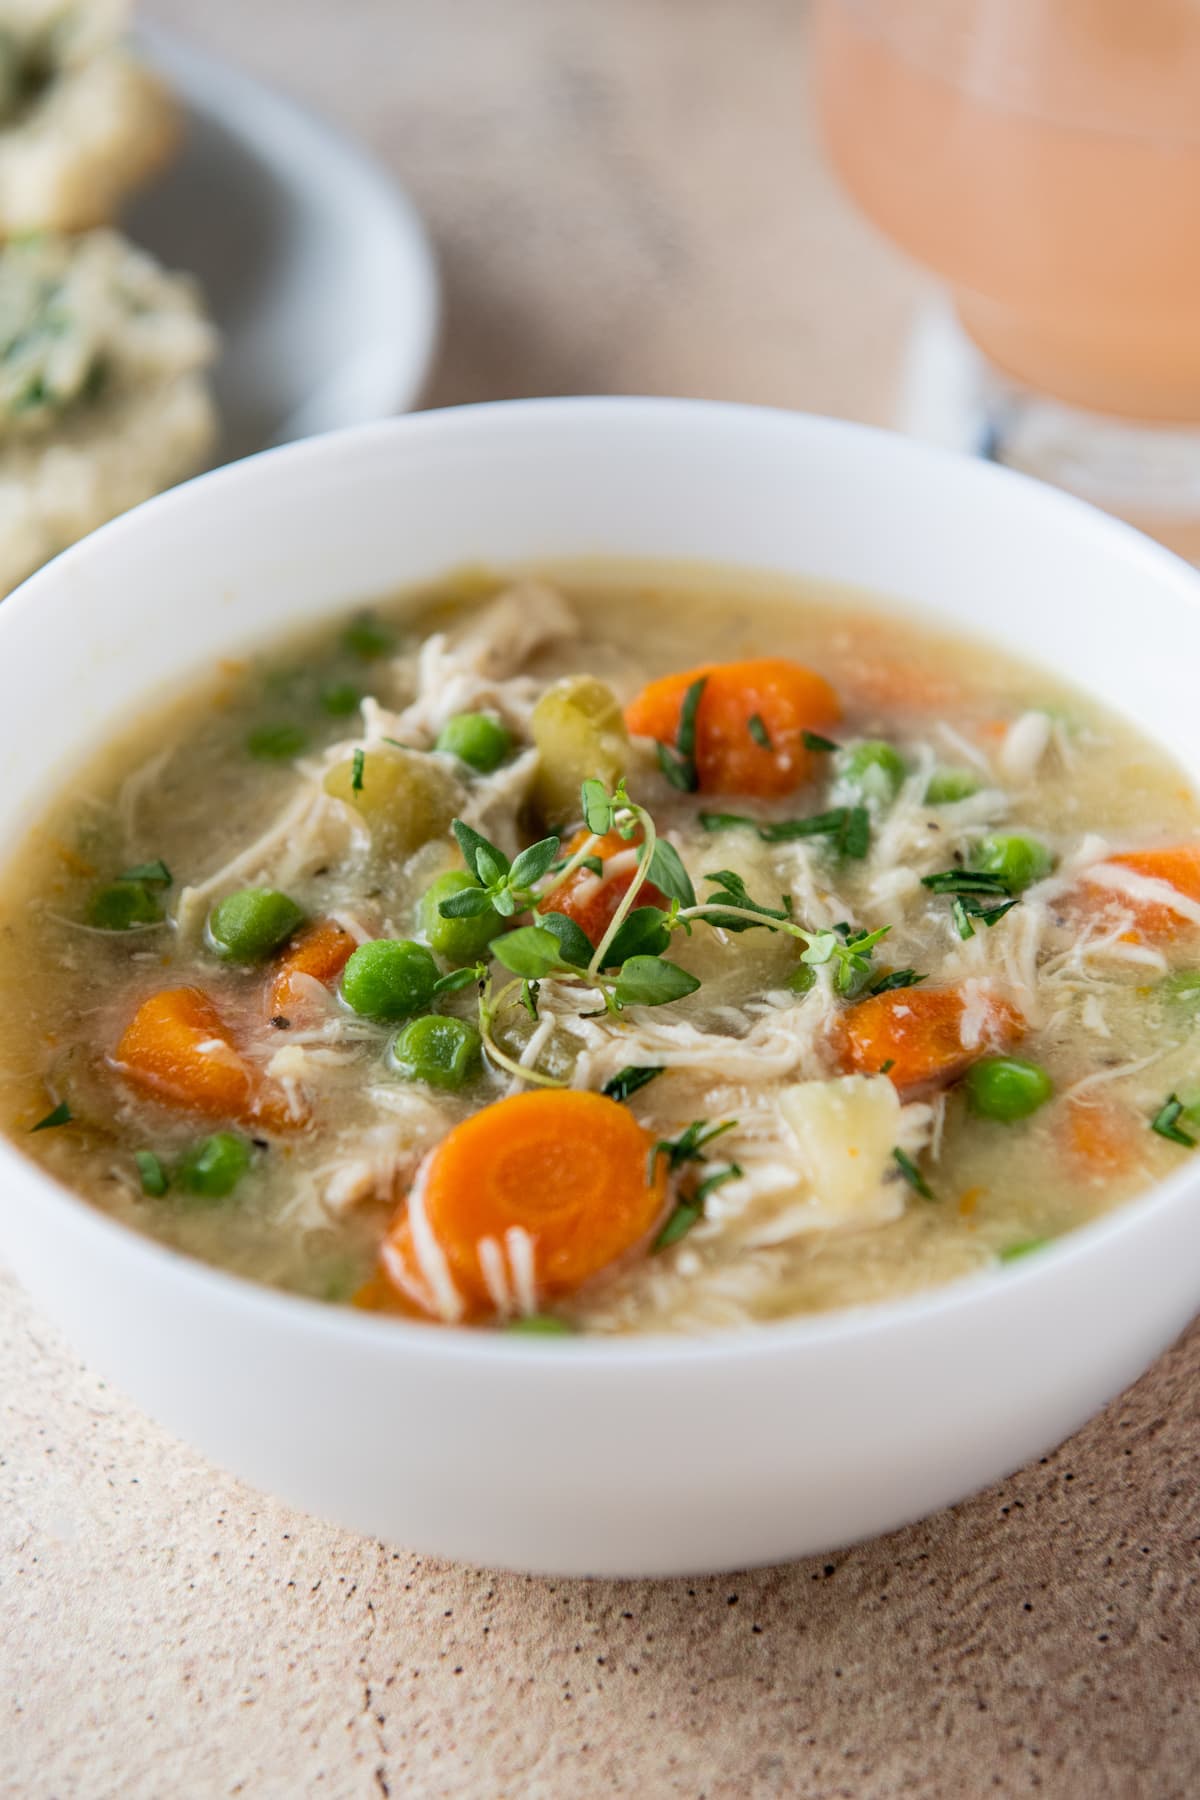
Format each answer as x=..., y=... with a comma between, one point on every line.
x=1150, y=475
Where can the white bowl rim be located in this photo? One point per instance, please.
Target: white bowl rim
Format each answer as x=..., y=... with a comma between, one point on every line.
x=455, y=1344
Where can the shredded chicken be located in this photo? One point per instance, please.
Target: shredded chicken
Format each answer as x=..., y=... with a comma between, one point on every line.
x=774, y=1046
x=477, y=669
x=386, y=1157
x=1025, y=744
x=311, y=830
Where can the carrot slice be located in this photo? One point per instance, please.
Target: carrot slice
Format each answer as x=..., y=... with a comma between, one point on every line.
x=590, y=899
x=749, y=723
x=919, y=1033
x=1176, y=866
x=179, y=1048
x=1099, y=1138
x=524, y=1202
x=321, y=951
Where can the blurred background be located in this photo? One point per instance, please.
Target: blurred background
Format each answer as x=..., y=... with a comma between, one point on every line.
x=637, y=196
x=625, y=195
x=975, y=220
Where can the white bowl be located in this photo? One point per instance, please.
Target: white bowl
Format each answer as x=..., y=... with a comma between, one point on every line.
x=653, y=1455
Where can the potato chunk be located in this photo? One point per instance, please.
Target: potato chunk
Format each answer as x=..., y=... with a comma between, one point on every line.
x=580, y=734
x=405, y=798
x=845, y=1130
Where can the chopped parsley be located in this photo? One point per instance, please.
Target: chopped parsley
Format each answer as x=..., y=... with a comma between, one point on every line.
x=812, y=740
x=756, y=726
x=61, y=1115
x=356, y=772
x=848, y=826
x=913, y=1175
x=152, y=873
x=974, y=894
x=626, y=1082
x=678, y=761
x=965, y=881
x=1166, y=1123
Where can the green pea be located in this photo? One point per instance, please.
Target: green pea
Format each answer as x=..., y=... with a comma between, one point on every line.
x=368, y=637
x=1020, y=861
x=340, y=698
x=458, y=940
x=122, y=906
x=445, y=1052
x=802, y=978
x=277, y=743
x=390, y=978
x=876, y=769
x=246, y=926
x=212, y=1169
x=945, y=786
x=1006, y=1088
x=477, y=740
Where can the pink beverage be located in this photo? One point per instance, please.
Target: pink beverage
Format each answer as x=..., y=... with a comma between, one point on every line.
x=1043, y=157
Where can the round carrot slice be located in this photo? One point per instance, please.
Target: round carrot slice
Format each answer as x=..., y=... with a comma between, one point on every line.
x=524, y=1202
x=917, y=1036
x=750, y=722
x=178, y=1047
x=590, y=899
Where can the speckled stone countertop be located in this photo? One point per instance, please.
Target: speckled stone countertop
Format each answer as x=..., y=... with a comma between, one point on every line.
x=626, y=196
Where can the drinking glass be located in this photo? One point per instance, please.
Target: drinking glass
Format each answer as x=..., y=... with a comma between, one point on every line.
x=1042, y=157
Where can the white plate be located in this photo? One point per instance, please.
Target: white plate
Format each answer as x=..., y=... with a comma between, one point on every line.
x=316, y=267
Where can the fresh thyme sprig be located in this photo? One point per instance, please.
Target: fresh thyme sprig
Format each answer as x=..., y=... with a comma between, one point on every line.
x=689, y=1147
x=627, y=967
x=505, y=887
